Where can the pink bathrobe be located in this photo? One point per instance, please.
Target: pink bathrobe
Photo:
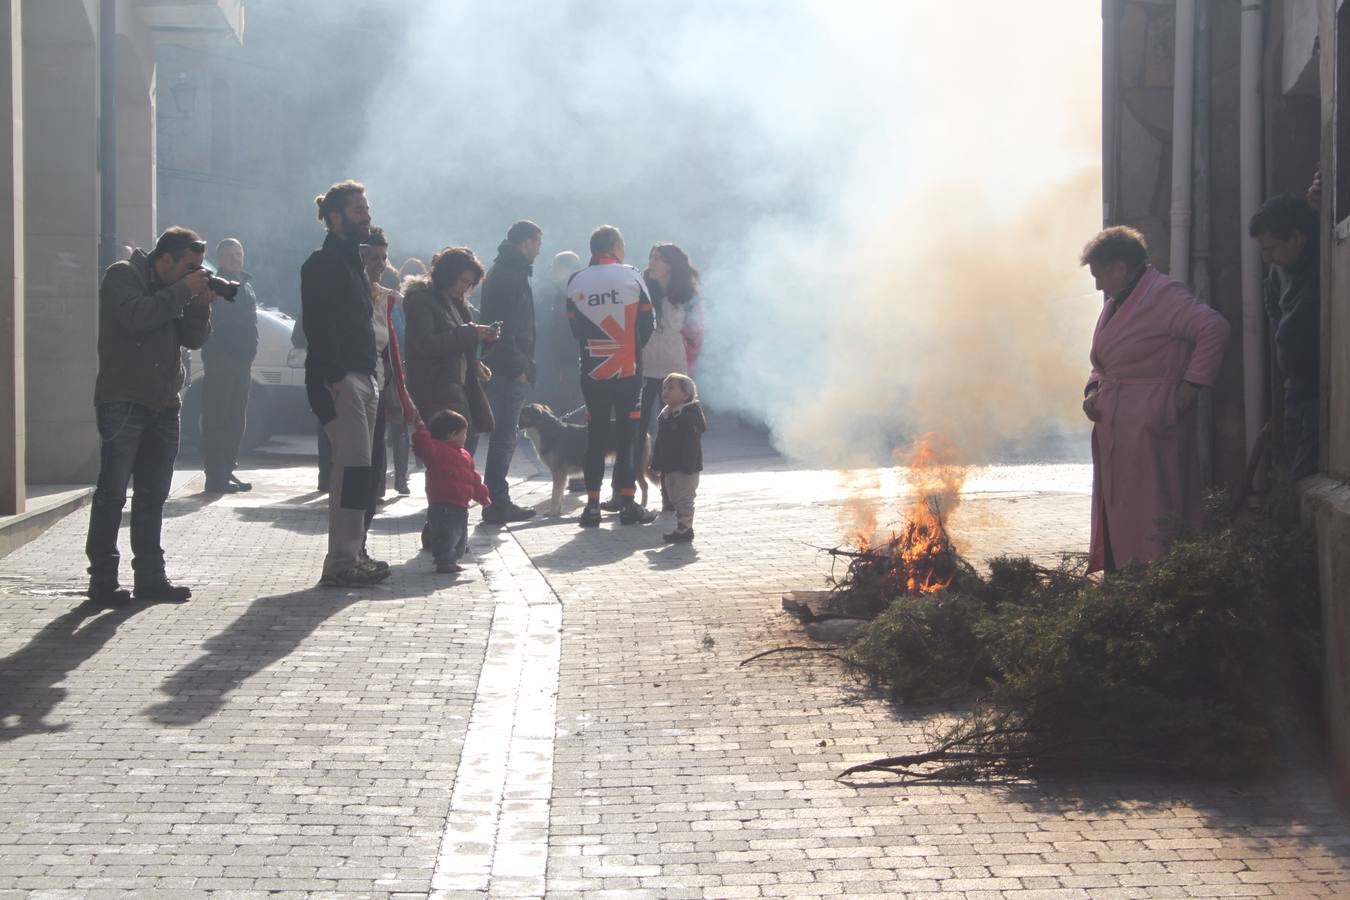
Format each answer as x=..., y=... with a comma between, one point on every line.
x=1144, y=463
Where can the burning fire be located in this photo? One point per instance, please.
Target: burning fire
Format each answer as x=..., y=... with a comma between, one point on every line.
x=920, y=557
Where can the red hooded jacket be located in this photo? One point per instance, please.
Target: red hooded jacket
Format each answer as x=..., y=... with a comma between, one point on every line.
x=450, y=474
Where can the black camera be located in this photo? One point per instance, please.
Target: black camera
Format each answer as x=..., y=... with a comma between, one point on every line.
x=223, y=287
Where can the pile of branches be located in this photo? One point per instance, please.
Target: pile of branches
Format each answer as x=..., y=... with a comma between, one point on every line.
x=1199, y=664
x=918, y=558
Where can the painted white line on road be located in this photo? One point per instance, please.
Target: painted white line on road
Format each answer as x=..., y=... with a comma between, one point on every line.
x=496, y=834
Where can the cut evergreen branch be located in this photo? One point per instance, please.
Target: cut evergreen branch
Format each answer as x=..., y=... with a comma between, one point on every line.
x=1199, y=664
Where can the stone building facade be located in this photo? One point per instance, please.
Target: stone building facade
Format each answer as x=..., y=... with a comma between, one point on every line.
x=74, y=193
x=1262, y=91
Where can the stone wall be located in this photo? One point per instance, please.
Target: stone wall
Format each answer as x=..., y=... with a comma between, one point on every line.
x=1146, y=35
x=1327, y=494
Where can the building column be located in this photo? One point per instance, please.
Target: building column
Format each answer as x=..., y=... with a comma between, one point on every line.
x=61, y=271
x=13, y=430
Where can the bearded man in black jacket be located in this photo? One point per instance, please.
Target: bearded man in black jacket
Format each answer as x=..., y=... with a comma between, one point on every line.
x=337, y=316
x=507, y=299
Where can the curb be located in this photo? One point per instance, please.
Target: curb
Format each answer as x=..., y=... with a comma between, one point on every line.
x=27, y=526
x=18, y=530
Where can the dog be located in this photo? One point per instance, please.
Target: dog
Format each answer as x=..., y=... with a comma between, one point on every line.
x=562, y=447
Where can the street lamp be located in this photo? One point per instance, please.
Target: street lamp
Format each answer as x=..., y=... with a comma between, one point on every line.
x=184, y=93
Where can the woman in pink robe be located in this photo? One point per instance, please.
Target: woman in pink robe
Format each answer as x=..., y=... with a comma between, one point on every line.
x=1154, y=348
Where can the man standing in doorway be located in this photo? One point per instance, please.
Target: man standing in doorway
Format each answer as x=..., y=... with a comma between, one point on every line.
x=612, y=318
x=226, y=362
x=1286, y=227
x=149, y=308
x=336, y=311
x=507, y=299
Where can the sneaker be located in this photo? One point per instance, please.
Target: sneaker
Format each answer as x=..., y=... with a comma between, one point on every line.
x=162, y=592
x=576, y=486
x=590, y=517
x=375, y=567
x=448, y=568
x=221, y=487
x=613, y=504
x=402, y=490
x=358, y=575
x=108, y=595
x=633, y=514
x=501, y=513
x=678, y=536
x=240, y=485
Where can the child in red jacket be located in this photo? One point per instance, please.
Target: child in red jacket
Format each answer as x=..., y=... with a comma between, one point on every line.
x=452, y=484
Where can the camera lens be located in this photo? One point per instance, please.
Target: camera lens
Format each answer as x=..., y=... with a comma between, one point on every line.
x=223, y=287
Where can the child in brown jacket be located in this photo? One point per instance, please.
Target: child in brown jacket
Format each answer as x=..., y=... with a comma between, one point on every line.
x=677, y=456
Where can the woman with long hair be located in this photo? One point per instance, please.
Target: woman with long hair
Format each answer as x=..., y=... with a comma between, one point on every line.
x=673, y=285
x=443, y=340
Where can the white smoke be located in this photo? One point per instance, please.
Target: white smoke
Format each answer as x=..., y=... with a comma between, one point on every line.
x=886, y=200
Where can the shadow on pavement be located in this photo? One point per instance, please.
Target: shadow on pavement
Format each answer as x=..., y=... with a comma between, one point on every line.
x=672, y=556
x=269, y=630
x=176, y=507
x=299, y=519
x=31, y=674
x=601, y=546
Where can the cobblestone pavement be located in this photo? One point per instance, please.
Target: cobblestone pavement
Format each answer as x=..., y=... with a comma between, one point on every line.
x=568, y=717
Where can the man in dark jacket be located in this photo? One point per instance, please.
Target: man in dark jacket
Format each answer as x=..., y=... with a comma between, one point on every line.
x=336, y=313
x=1286, y=228
x=227, y=360
x=507, y=299
x=149, y=308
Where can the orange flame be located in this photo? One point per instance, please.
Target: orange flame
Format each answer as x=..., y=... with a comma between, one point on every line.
x=920, y=557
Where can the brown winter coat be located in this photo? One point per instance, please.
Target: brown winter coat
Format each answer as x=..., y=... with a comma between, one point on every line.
x=440, y=355
x=142, y=324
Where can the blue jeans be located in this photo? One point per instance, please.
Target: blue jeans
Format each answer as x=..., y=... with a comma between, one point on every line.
x=447, y=532
x=507, y=398
x=138, y=445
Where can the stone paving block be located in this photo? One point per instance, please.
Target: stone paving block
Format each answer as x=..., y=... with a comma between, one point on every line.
x=271, y=736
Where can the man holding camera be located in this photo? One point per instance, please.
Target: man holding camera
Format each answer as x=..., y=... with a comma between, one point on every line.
x=150, y=307
x=337, y=316
x=227, y=360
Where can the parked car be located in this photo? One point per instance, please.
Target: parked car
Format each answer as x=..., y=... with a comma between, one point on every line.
x=276, y=399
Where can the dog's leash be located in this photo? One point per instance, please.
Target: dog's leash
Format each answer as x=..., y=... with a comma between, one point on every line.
x=565, y=416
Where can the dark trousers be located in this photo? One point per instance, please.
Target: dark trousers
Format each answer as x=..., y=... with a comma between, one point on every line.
x=377, y=464
x=617, y=399
x=649, y=407
x=325, y=456
x=224, y=409
x=1301, y=413
x=397, y=430
x=447, y=532
x=137, y=446
x=507, y=398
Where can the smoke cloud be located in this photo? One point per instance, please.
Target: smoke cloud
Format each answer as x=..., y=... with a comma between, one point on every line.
x=886, y=200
